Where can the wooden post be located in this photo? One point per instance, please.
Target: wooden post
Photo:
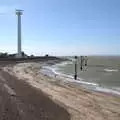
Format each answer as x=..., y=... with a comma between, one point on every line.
x=81, y=67
x=86, y=60
x=75, y=76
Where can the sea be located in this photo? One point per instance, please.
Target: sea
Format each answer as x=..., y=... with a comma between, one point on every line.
x=102, y=73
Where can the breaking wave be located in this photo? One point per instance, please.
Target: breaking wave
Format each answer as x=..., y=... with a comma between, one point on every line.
x=52, y=71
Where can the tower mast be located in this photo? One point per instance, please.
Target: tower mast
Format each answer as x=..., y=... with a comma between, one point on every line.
x=19, y=13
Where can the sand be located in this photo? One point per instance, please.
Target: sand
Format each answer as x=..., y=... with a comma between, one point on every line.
x=81, y=103
x=21, y=101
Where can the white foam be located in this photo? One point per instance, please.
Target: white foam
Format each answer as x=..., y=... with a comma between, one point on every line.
x=52, y=72
x=79, y=80
x=63, y=63
x=101, y=89
x=111, y=70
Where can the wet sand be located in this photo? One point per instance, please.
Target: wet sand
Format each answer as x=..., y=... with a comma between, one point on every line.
x=79, y=102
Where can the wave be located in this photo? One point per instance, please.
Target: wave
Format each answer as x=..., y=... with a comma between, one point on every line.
x=111, y=70
x=63, y=64
x=52, y=71
x=106, y=90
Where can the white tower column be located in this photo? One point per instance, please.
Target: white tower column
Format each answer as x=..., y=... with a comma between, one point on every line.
x=19, y=13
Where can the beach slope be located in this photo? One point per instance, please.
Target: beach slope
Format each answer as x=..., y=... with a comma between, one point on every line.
x=21, y=101
x=78, y=101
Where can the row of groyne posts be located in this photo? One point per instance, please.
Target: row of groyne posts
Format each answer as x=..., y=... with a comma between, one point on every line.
x=83, y=61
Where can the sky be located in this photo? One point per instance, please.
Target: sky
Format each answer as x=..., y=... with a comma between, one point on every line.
x=62, y=27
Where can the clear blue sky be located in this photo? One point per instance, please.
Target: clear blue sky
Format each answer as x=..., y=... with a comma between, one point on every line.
x=62, y=27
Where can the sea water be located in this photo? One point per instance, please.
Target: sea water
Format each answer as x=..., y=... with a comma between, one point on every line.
x=102, y=73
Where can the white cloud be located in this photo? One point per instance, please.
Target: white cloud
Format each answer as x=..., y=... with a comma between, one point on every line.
x=8, y=48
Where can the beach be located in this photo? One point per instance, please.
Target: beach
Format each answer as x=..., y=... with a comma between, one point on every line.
x=101, y=72
x=79, y=102
x=21, y=101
